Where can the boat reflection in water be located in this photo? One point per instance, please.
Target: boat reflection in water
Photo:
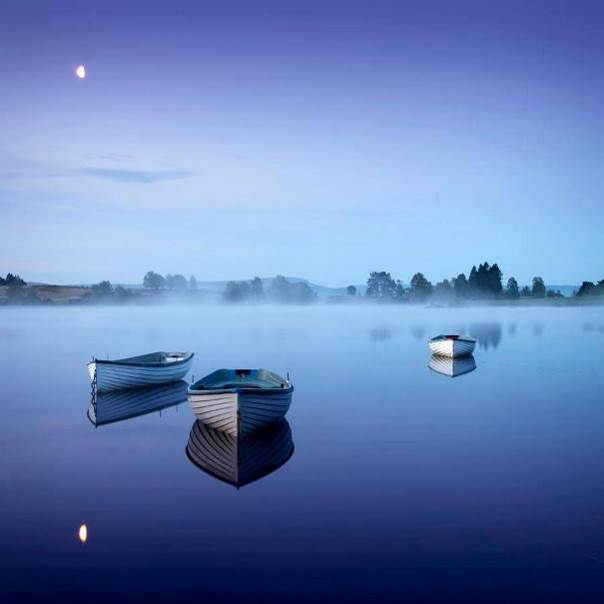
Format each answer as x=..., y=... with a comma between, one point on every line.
x=240, y=460
x=118, y=405
x=452, y=367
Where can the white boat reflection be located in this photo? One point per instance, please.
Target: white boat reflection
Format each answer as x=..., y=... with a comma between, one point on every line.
x=240, y=460
x=452, y=367
x=118, y=405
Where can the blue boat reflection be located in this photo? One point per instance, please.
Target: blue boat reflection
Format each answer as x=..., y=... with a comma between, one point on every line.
x=452, y=367
x=240, y=460
x=119, y=405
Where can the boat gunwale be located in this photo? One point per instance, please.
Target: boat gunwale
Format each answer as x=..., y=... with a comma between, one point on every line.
x=238, y=390
x=452, y=338
x=198, y=387
x=125, y=363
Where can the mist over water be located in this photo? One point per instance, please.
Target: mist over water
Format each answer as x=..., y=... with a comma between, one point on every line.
x=402, y=483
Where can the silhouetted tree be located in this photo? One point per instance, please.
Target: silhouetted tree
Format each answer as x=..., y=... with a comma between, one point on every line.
x=494, y=280
x=420, y=286
x=525, y=292
x=512, y=288
x=281, y=290
x=473, y=281
x=300, y=293
x=381, y=286
x=443, y=288
x=192, y=283
x=235, y=291
x=256, y=288
x=538, y=290
x=176, y=282
x=485, y=281
x=14, y=280
x=460, y=285
x=588, y=288
x=351, y=290
x=153, y=280
x=179, y=283
x=104, y=289
x=554, y=294
x=399, y=292
x=121, y=294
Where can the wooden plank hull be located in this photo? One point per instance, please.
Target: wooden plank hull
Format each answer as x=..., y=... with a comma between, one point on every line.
x=108, y=376
x=452, y=367
x=119, y=405
x=452, y=348
x=240, y=460
x=238, y=413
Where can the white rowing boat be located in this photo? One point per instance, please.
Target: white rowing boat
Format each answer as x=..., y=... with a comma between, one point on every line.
x=240, y=460
x=134, y=372
x=452, y=346
x=239, y=401
x=452, y=367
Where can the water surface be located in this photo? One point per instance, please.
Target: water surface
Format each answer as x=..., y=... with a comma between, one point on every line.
x=403, y=485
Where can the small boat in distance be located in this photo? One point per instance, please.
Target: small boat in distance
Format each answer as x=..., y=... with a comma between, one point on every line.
x=240, y=401
x=452, y=346
x=452, y=367
x=133, y=372
x=240, y=460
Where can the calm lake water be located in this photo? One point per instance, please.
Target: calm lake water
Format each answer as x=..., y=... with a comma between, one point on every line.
x=404, y=485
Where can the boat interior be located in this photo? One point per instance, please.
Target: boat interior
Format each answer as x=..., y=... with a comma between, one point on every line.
x=223, y=379
x=451, y=337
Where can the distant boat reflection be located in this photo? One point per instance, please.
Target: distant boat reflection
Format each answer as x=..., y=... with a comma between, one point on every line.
x=118, y=405
x=452, y=367
x=240, y=460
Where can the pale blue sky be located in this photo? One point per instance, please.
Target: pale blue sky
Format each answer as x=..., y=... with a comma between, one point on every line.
x=321, y=140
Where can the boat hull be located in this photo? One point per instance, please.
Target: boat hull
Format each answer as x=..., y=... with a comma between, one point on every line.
x=452, y=348
x=113, y=376
x=240, y=412
x=240, y=460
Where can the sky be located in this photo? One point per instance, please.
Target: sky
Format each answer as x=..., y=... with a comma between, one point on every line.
x=313, y=139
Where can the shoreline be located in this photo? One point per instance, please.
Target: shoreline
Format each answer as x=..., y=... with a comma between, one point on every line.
x=64, y=295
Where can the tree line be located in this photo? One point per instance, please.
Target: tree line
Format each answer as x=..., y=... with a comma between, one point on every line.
x=155, y=281
x=17, y=291
x=280, y=290
x=589, y=288
x=484, y=282
x=12, y=281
